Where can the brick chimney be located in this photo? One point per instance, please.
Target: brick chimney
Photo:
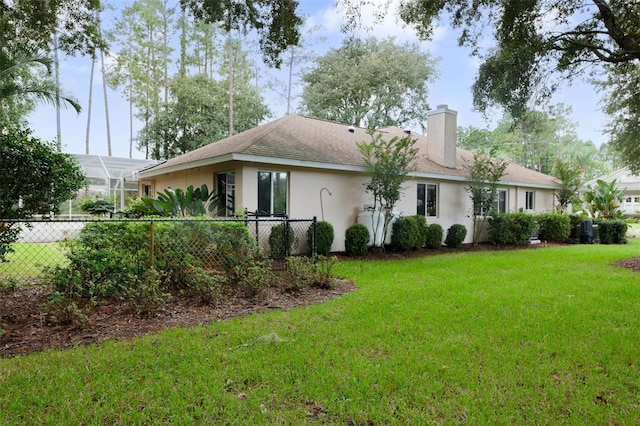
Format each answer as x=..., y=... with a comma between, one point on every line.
x=441, y=136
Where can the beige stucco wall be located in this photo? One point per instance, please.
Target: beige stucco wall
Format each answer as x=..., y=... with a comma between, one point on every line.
x=348, y=196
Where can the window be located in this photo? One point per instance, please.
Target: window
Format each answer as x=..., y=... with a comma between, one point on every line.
x=502, y=200
x=428, y=199
x=272, y=193
x=628, y=200
x=636, y=199
x=528, y=200
x=499, y=203
x=147, y=190
x=226, y=190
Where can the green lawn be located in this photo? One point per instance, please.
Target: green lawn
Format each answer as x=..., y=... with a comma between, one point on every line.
x=29, y=259
x=543, y=336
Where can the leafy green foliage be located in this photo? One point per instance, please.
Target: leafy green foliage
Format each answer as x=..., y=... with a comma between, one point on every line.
x=193, y=118
x=511, y=228
x=435, y=233
x=140, y=262
x=406, y=234
x=21, y=86
x=455, y=235
x=371, y=83
x=176, y=202
x=97, y=207
x=276, y=21
x=34, y=179
x=325, y=237
x=519, y=69
x=75, y=22
x=356, y=240
x=388, y=163
x=485, y=173
x=603, y=199
x=612, y=231
x=554, y=227
x=570, y=178
x=278, y=245
x=421, y=223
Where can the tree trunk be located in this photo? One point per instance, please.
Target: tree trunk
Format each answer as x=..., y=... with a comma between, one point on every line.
x=93, y=65
x=106, y=103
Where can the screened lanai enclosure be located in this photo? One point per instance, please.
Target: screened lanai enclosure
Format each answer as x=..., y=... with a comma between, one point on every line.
x=110, y=178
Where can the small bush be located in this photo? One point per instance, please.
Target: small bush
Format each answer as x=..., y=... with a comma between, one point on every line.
x=324, y=267
x=300, y=273
x=511, y=228
x=421, y=222
x=554, y=227
x=357, y=240
x=455, y=235
x=325, y=238
x=279, y=249
x=434, y=236
x=612, y=231
x=254, y=278
x=149, y=296
x=207, y=286
x=406, y=235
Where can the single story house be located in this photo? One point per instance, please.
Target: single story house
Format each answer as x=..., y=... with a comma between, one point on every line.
x=305, y=167
x=628, y=182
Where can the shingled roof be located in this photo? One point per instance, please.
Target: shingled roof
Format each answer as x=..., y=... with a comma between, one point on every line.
x=304, y=141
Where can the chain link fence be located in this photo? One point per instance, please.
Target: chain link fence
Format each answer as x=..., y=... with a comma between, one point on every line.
x=42, y=245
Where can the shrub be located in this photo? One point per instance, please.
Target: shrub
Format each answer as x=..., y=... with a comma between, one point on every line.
x=612, y=231
x=357, y=240
x=421, y=222
x=554, y=227
x=254, y=278
x=325, y=238
x=324, y=268
x=301, y=273
x=114, y=260
x=406, y=235
x=455, y=235
x=434, y=236
x=511, y=228
x=279, y=249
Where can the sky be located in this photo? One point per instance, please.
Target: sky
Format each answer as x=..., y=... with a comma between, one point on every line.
x=456, y=71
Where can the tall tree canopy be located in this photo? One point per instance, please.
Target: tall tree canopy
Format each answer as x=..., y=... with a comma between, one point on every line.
x=534, y=39
x=75, y=22
x=197, y=114
x=276, y=21
x=370, y=82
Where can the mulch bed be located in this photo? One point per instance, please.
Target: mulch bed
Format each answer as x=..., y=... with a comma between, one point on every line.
x=24, y=328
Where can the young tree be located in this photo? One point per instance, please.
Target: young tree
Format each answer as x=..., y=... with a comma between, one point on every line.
x=388, y=161
x=370, y=83
x=34, y=179
x=485, y=173
x=570, y=178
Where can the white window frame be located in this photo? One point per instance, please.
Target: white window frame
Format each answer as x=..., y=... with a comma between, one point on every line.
x=529, y=200
x=230, y=189
x=424, y=201
x=271, y=212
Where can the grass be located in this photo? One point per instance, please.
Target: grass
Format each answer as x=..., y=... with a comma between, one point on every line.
x=541, y=336
x=29, y=259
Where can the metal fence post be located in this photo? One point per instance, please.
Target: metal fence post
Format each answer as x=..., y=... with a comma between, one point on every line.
x=152, y=243
x=314, y=249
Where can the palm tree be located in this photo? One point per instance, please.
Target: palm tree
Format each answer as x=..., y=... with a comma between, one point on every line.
x=19, y=60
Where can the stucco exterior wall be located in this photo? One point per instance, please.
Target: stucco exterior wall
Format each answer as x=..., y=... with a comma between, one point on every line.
x=348, y=196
